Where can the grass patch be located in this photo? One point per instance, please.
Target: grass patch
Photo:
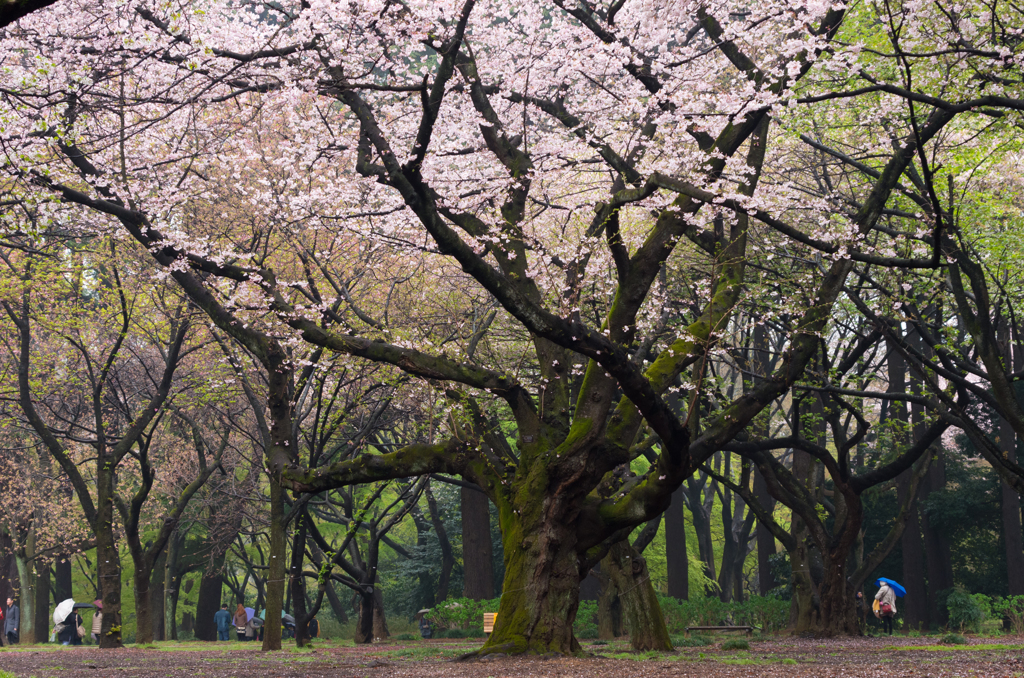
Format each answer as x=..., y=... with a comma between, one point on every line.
x=736, y=644
x=405, y=636
x=693, y=641
x=635, y=656
x=956, y=648
x=953, y=639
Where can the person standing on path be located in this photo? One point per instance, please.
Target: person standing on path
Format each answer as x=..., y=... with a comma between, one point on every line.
x=886, y=598
x=12, y=621
x=97, y=621
x=223, y=621
x=240, y=620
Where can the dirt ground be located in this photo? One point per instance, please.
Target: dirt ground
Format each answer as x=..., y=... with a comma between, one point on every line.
x=1001, y=657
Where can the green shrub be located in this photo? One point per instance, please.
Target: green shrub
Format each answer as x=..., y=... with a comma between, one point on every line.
x=953, y=639
x=456, y=633
x=694, y=641
x=736, y=644
x=965, y=611
x=599, y=642
x=460, y=613
x=475, y=632
x=1011, y=609
x=405, y=636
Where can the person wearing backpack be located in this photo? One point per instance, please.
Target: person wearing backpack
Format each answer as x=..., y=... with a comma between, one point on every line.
x=886, y=598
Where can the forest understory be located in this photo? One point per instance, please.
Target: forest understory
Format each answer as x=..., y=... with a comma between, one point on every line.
x=789, y=657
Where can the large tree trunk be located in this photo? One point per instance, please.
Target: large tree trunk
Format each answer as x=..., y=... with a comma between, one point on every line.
x=915, y=607
x=27, y=596
x=802, y=608
x=172, y=585
x=1010, y=499
x=938, y=551
x=42, y=602
x=297, y=583
x=276, y=570
x=801, y=617
x=478, y=574
x=609, y=609
x=677, y=563
x=380, y=622
x=62, y=578
x=210, y=587
x=364, y=625
x=838, y=604
x=108, y=569
x=157, y=596
x=627, y=571
x=540, y=592
x=143, y=608
x=1010, y=504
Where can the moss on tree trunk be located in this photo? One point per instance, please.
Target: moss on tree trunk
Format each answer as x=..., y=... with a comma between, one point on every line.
x=627, y=571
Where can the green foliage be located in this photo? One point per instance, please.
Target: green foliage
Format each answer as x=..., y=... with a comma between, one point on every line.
x=1011, y=608
x=456, y=633
x=953, y=639
x=586, y=620
x=964, y=611
x=692, y=641
x=769, y=613
x=460, y=613
x=736, y=644
x=405, y=636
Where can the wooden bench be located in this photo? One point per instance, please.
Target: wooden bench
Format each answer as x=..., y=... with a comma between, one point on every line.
x=489, y=619
x=748, y=629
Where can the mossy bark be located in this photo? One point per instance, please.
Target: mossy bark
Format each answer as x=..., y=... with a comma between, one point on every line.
x=540, y=592
x=641, y=613
x=609, y=611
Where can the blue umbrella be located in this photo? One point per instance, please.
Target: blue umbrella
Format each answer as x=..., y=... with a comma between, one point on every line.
x=896, y=587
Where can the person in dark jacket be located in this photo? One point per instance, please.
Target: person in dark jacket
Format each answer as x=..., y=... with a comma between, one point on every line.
x=68, y=635
x=223, y=621
x=12, y=622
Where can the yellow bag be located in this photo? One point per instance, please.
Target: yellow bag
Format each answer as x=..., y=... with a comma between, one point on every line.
x=876, y=607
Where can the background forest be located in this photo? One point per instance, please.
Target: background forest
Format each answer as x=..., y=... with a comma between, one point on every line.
x=607, y=317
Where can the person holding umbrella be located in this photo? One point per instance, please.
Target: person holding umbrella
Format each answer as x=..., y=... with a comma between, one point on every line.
x=886, y=597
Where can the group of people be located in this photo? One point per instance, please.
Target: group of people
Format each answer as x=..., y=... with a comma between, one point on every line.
x=249, y=626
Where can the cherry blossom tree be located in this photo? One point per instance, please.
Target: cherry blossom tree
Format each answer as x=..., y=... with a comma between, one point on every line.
x=537, y=176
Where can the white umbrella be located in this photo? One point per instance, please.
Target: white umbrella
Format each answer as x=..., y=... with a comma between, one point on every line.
x=64, y=608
